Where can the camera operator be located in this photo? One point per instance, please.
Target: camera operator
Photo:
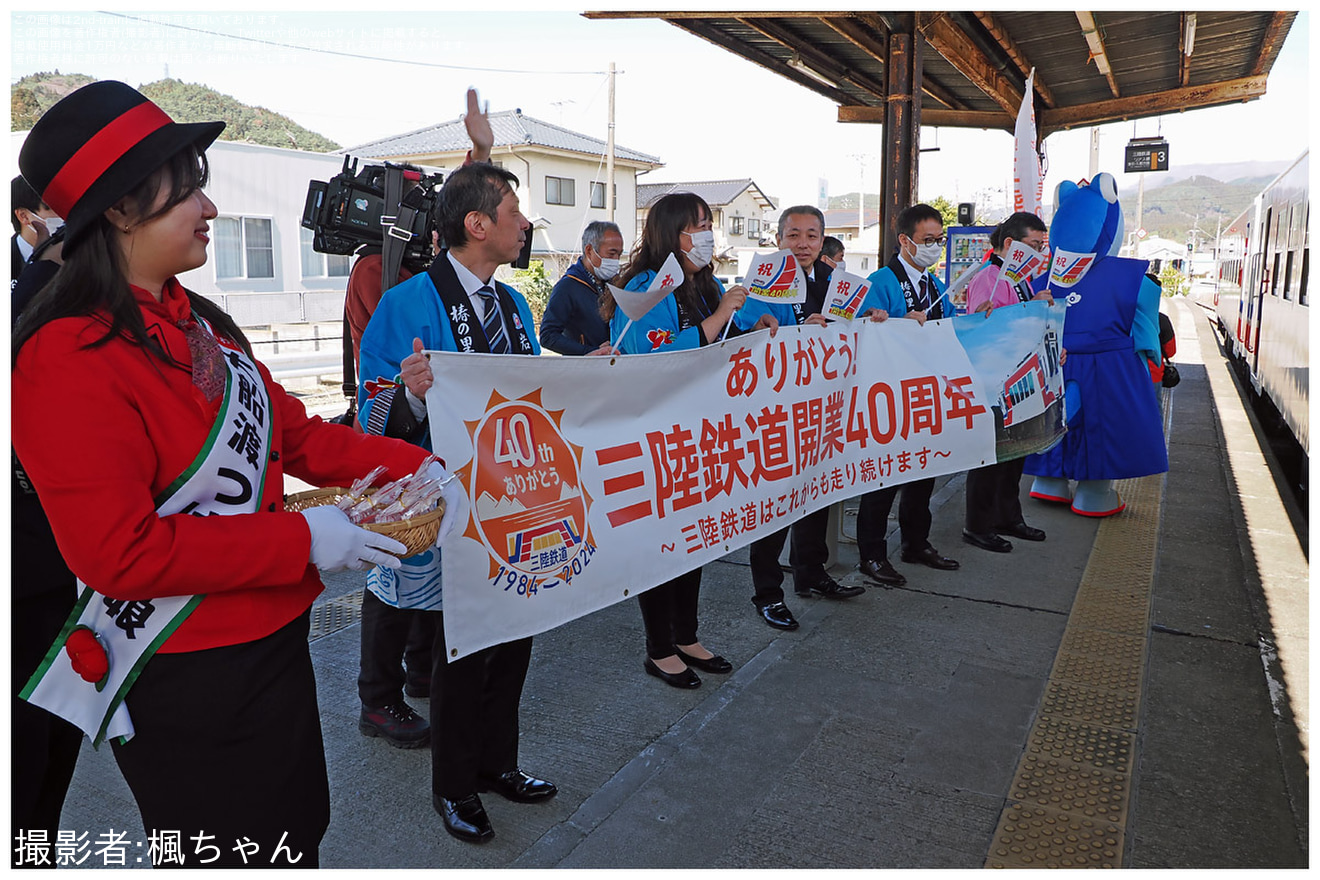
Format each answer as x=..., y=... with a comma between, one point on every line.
x=392, y=634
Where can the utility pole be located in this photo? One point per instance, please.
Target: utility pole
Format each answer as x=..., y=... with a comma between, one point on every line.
x=1095, y=152
x=609, y=154
x=861, y=191
x=1141, y=198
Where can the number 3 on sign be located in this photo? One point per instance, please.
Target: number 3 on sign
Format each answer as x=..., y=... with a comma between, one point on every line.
x=515, y=447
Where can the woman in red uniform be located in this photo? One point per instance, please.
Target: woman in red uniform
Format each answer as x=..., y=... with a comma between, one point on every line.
x=158, y=447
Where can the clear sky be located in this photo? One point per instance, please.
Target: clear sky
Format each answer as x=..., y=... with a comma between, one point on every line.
x=706, y=113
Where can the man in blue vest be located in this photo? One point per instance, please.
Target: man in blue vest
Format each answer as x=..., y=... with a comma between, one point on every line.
x=907, y=287
x=801, y=230
x=456, y=305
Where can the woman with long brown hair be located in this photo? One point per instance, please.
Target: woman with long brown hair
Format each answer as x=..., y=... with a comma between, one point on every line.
x=695, y=314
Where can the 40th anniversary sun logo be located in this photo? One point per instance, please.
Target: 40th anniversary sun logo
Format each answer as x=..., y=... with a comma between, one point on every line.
x=529, y=507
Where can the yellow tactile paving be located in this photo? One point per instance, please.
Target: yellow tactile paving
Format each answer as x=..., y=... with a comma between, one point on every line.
x=335, y=614
x=1031, y=837
x=1068, y=804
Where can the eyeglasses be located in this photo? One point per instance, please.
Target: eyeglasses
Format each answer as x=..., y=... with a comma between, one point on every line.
x=939, y=241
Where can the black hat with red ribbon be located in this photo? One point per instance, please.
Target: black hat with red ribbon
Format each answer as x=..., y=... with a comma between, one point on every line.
x=96, y=145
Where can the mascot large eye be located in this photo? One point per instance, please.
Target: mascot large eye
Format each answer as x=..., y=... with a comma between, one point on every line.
x=1107, y=186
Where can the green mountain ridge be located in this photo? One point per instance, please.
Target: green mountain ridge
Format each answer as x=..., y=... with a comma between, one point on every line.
x=1170, y=210
x=36, y=93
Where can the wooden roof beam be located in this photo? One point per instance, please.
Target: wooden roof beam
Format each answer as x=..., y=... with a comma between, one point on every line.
x=967, y=58
x=1138, y=106
x=812, y=57
x=1096, y=43
x=766, y=60
x=1024, y=65
x=1269, y=43
x=709, y=14
x=929, y=116
x=852, y=31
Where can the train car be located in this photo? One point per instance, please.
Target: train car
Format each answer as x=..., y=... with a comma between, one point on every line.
x=1261, y=297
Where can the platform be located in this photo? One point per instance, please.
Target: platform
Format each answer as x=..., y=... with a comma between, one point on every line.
x=1131, y=692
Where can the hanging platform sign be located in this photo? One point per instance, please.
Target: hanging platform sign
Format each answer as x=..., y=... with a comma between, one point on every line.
x=1146, y=154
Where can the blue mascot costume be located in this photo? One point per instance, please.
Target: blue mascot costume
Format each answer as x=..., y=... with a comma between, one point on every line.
x=1112, y=326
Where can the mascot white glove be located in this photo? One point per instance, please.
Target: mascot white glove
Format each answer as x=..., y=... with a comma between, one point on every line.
x=337, y=543
x=455, y=496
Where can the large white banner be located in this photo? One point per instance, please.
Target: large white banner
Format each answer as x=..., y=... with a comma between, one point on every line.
x=1028, y=182
x=593, y=479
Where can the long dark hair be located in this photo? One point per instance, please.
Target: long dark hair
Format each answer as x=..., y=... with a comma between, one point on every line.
x=660, y=238
x=93, y=276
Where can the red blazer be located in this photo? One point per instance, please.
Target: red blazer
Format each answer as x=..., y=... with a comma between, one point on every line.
x=102, y=431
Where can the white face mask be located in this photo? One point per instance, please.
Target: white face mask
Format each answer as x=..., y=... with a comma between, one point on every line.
x=703, y=248
x=53, y=224
x=927, y=255
x=841, y=266
x=607, y=269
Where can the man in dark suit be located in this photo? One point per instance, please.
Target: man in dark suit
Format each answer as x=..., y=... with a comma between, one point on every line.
x=457, y=305
x=33, y=221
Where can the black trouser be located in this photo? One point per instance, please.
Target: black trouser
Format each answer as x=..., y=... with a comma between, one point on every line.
x=43, y=747
x=391, y=635
x=669, y=614
x=913, y=518
x=807, y=556
x=474, y=712
x=993, y=496
x=228, y=746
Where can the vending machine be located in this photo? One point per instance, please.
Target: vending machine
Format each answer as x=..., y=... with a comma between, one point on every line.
x=965, y=248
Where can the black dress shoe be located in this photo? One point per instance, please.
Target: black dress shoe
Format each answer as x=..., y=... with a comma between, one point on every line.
x=881, y=571
x=465, y=818
x=987, y=541
x=1021, y=530
x=716, y=664
x=518, y=786
x=685, y=679
x=828, y=588
x=931, y=557
x=777, y=615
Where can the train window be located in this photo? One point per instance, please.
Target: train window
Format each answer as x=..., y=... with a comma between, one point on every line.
x=1274, y=276
x=1287, y=275
x=1306, y=273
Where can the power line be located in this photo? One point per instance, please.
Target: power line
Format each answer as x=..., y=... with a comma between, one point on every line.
x=196, y=30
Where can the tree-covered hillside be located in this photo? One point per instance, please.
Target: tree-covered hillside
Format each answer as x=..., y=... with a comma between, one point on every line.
x=36, y=93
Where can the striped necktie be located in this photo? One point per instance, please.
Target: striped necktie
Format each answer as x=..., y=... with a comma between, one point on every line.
x=924, y=304
x=492, y=323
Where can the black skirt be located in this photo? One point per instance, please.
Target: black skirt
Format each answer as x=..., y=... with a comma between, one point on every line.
x=228, y=753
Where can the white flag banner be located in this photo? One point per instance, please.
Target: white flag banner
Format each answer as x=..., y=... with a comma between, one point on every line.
x=580, y=500
x=636, y=303
x=1069, y=267
x=1027, y=179
x=776, y=278
x=846, y=294
x=1022, y=262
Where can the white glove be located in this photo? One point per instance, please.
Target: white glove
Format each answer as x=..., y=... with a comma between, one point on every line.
x=337, y=543
x=455, y=496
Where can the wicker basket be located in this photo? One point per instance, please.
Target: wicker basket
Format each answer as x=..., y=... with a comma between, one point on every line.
x=418, y=533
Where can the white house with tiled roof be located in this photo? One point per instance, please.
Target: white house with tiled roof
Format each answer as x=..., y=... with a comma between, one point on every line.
x=740, y=217
x=561, y=175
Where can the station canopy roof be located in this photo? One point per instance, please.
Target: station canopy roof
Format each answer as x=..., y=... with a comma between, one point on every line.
x=1091, y=67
